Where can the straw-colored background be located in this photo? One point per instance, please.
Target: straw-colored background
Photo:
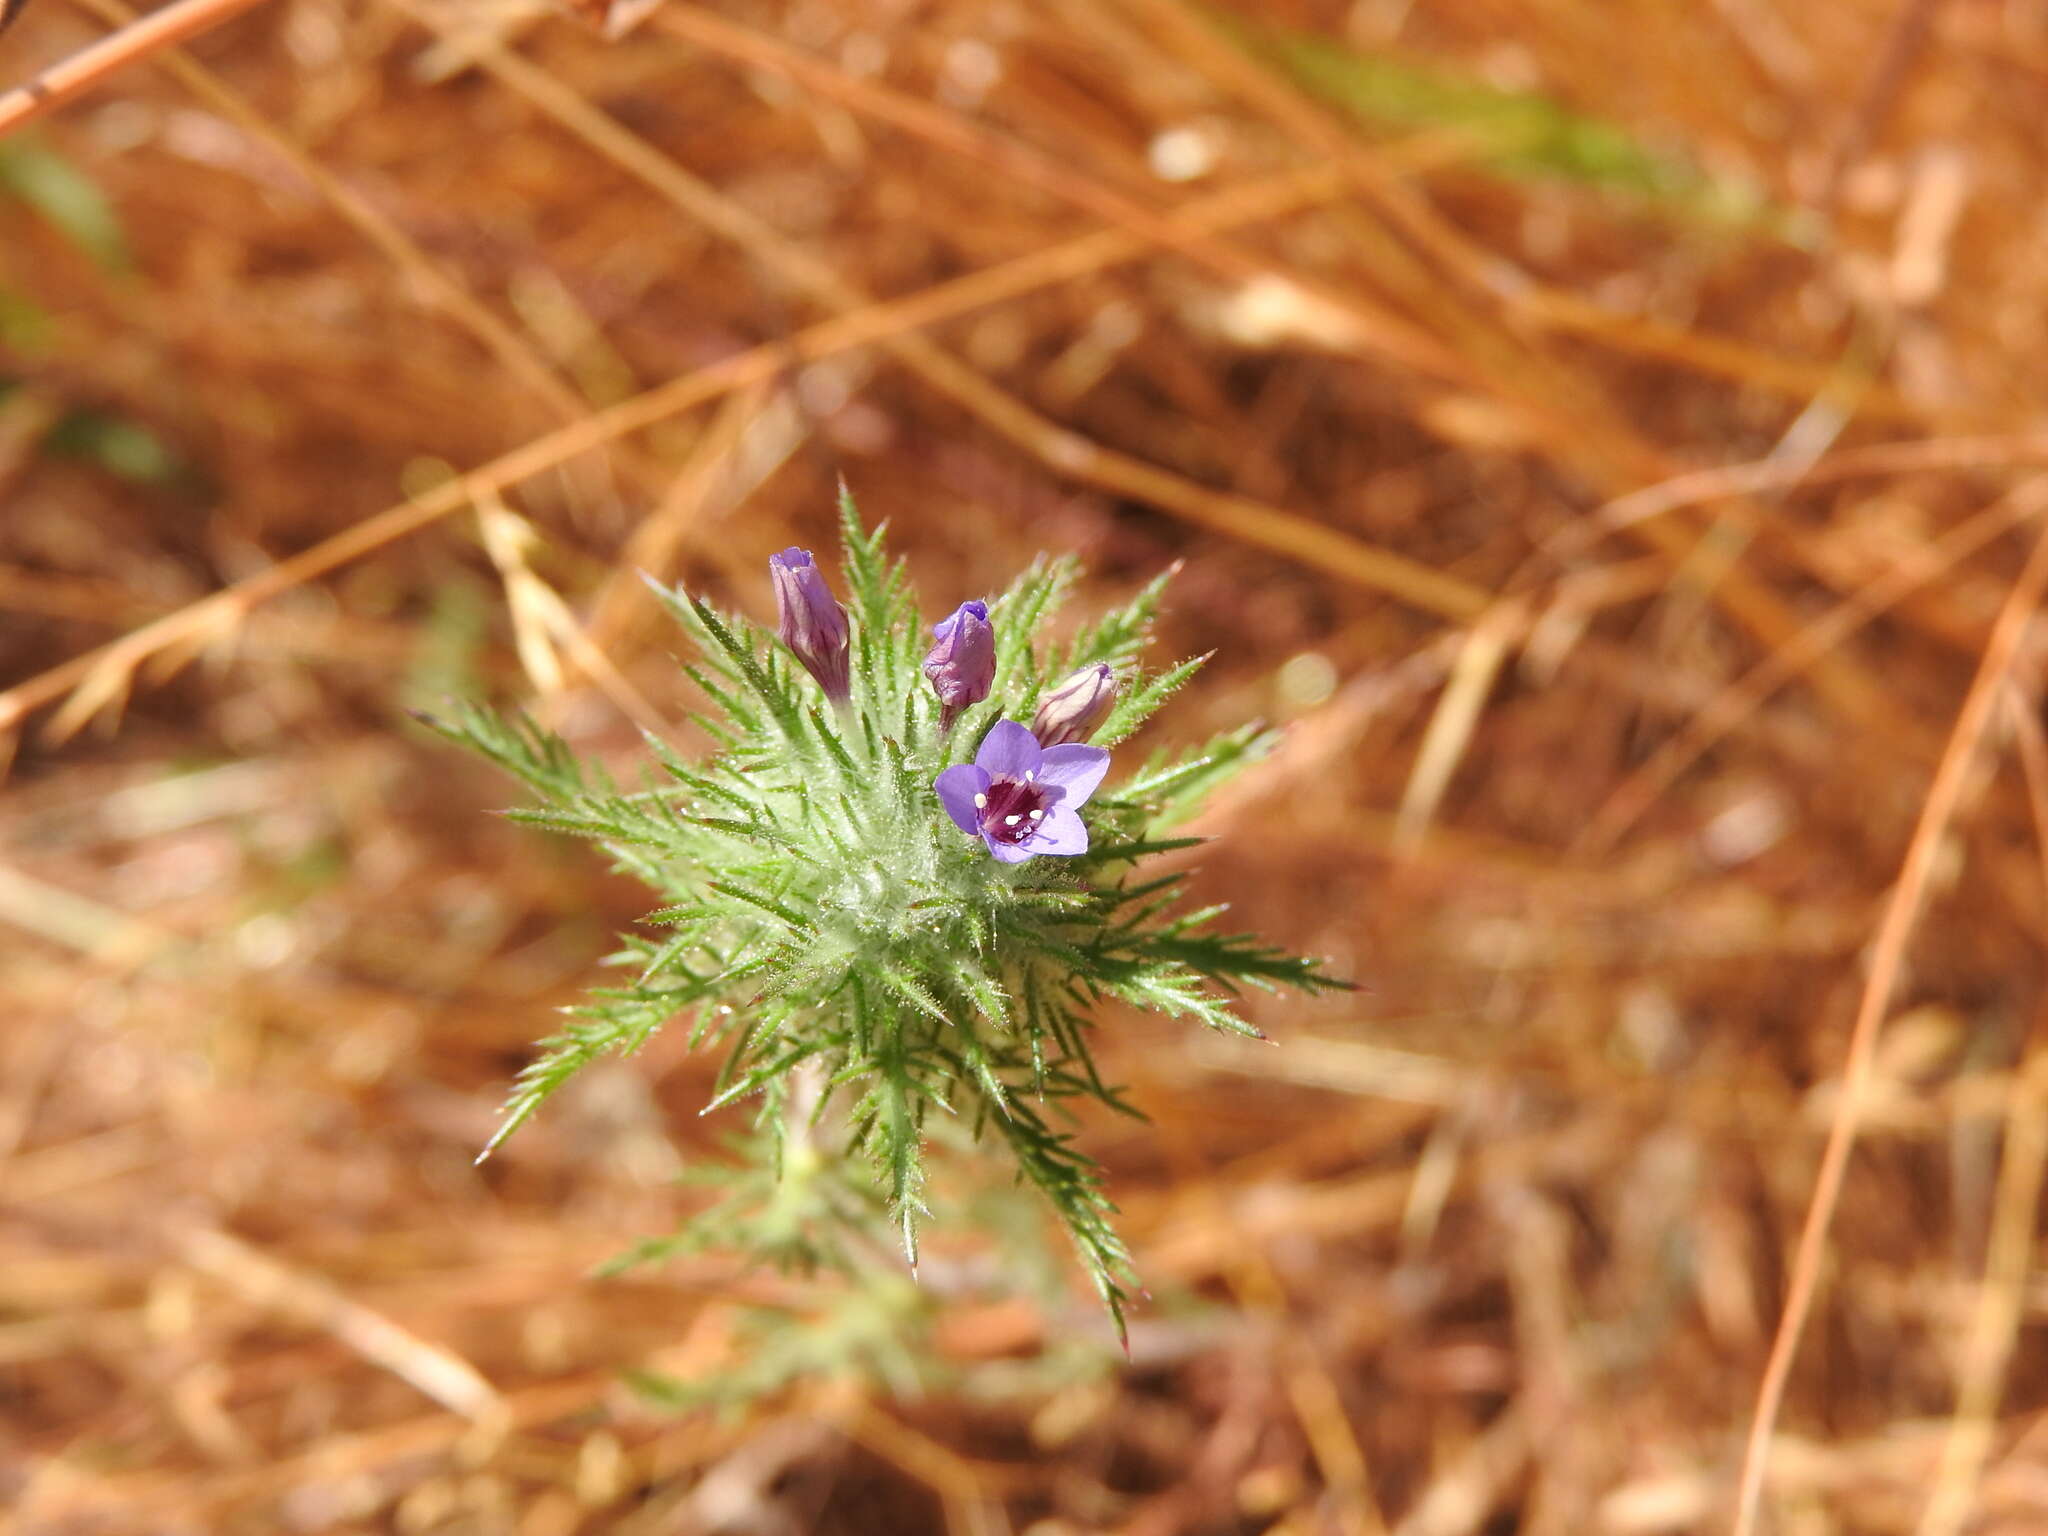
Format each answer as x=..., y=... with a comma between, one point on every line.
x=1646, y=799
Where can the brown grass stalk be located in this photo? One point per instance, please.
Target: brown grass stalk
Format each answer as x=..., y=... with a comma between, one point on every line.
x=1380, y=327
x=103, y=674
x=1887, y=957
x=1630, y=800
x=1993, y=1328
x=1063, y=450
x=151, y=34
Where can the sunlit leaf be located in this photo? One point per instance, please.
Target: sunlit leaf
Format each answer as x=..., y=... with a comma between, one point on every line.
x=1517, y=133
x=36, y=175
x=117, y=445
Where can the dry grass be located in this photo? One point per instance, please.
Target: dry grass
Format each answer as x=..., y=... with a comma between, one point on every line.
x=1644, y=591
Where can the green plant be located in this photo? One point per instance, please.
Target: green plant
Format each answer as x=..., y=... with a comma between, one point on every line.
x=881, y=897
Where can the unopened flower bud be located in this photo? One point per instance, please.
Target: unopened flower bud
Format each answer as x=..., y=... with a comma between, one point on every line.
x=810, y=620
x=962, y=664
x=1072, y=711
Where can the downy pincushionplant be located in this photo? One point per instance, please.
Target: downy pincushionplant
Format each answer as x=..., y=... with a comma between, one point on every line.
x=893, y=904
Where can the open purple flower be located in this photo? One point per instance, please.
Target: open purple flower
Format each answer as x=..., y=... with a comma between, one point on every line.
x=1021, y=798
x=810, y=620
x=962, y=665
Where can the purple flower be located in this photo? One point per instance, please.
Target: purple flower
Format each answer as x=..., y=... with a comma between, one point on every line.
x=811, y=622
x=1072, y=711
x=1020, y=798
x=962, y=665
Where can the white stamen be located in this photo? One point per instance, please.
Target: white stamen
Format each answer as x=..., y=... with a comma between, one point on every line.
x=1038, y=815
x=1011, y=821
x=1030, y=774
x=981, y=802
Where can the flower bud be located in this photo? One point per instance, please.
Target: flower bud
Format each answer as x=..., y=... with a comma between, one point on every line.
x=810, y=620
x=1072, y=711
x=962, y=665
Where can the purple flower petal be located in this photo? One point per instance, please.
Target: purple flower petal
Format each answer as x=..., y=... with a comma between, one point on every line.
x=962, y=664
x=810, y=620
x=1009, y=751
x=976, y=610
x=1020, y=798
x=1062, y=832
x=1072, y=711
x=1076, y=770
x=958, y=786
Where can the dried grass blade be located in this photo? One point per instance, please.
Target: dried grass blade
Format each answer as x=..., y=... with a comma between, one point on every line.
x=2008, y=1255
x=1450, y=729
x=89, y=66
x=1887, y=956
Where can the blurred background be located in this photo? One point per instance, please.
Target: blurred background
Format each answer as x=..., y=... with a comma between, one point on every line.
x=1605, y=438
